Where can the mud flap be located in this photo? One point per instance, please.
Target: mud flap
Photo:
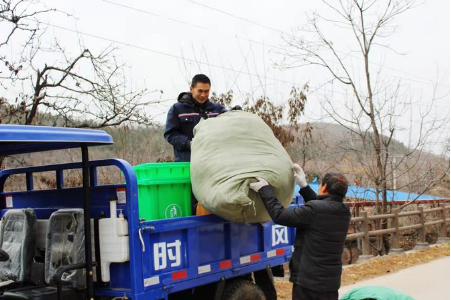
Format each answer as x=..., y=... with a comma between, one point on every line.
x=265, y=280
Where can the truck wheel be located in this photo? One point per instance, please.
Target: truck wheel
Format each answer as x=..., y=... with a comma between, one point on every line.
x=242, y=289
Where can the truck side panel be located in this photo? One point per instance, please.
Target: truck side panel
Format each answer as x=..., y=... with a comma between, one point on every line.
x=181, y=250
x=166, y=256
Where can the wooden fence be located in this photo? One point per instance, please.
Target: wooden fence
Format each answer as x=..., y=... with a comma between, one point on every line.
x=395, y=228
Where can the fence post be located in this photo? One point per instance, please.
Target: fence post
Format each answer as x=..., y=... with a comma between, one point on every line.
x=366, y=250
x=359, y=240
x=378, y=238
x=443, y=238
x=395, y=236
x=421, y=243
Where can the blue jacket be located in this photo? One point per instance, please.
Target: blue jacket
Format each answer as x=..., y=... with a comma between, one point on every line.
x=182, y=117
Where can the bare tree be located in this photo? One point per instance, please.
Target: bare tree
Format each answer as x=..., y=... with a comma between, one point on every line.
x=302, y=148
x=50, y=85
x=373, y=110
x=282, y=121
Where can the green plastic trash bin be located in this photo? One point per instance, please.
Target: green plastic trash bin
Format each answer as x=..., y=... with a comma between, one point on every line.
x=164, y=190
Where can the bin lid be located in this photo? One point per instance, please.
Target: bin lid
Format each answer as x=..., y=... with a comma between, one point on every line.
x=18, y=139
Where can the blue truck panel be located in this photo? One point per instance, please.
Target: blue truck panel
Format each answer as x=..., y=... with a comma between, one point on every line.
x=166, y=256
x=175, y=253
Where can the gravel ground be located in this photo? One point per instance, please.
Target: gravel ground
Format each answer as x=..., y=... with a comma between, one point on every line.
x=376, y=267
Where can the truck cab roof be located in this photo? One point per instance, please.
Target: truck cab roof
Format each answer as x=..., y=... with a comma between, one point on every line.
x=18, y=139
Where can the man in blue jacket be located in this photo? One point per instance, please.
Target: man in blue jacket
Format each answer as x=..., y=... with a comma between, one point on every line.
x=186, y=113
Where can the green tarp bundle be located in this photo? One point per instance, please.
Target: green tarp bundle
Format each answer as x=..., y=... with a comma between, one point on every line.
x=376, y=293
x=228, y=153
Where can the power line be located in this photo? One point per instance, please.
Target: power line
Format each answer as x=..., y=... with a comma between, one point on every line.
x=194, y=61
x=240, y=18
x=153, y=14
x=425, y=81
x=291, y=35
x=187, y=59
x=190, y=60
x=168, y=54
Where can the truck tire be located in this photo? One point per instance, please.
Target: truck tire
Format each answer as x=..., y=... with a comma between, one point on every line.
x=242, y=289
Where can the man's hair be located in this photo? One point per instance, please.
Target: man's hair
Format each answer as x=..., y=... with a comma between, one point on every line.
x=336, y=184
x=200, y=78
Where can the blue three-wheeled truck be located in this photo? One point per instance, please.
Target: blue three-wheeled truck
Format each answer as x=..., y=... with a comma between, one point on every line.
x=88, y=242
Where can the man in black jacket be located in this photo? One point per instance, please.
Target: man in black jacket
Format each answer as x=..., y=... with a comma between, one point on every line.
x=186, y=113
x=321, y=229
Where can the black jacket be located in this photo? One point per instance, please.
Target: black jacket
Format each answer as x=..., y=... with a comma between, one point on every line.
x=182, y=117
x=321, y=229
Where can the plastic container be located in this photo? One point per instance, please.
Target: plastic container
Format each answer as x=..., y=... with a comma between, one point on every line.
x=113, y=237
x=164, y=190
x=202, y=211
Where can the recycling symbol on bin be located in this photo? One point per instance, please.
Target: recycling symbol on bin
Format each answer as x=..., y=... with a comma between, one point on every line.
x=173, y=211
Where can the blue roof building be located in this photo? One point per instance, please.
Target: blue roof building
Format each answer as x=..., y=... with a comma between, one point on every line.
x=361, y=192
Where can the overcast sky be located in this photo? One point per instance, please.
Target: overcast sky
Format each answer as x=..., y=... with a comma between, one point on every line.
x=238, y=43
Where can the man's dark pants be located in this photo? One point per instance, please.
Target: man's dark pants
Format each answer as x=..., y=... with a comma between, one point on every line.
x=300, y=293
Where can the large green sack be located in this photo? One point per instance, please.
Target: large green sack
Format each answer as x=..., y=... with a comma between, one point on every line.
x=228, y=153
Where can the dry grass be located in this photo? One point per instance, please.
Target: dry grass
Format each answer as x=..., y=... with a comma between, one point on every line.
x=377, y=267
x=284, y=288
